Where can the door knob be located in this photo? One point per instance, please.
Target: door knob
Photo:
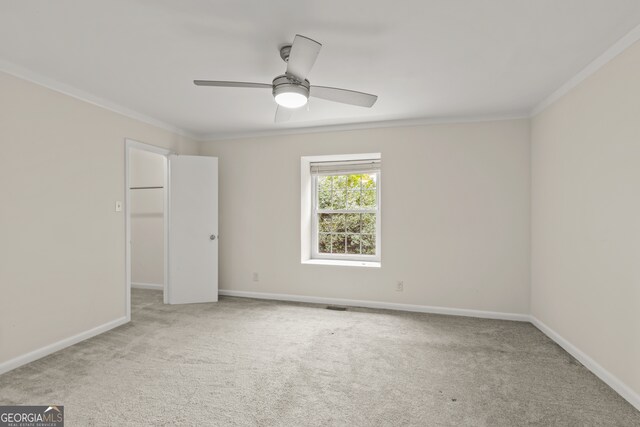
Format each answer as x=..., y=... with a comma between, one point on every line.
x=212, y=237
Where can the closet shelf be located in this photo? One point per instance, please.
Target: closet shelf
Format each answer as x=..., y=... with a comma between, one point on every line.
x=143, y=188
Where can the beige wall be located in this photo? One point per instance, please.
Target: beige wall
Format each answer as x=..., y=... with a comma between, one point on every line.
x=147, y=169
x=62, y=263
x=455, y=216
x=586, y=217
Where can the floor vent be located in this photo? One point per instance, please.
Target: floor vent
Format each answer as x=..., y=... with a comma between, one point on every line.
x=336, y=308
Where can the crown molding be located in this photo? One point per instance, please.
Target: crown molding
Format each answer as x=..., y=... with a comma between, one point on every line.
x=616, y=49
x=28, y=75
x=424, y=121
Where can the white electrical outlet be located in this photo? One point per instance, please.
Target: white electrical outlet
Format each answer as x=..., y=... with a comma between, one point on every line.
x=400, y=286
x=256, y=278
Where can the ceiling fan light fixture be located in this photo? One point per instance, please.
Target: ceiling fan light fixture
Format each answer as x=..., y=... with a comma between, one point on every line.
x=290, y=93
x=291, y=99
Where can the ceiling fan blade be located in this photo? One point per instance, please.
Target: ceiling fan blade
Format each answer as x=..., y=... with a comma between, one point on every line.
x=304, y=52
x=232, y=84
x=344, y=96
x=283, y=114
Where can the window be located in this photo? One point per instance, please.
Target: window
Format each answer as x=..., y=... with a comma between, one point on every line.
x=346, y=210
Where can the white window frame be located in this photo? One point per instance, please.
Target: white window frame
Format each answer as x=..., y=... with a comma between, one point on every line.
x=315, y=255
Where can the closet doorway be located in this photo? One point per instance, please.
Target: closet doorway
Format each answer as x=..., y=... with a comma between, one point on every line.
x=171, y=223
x=147, y=218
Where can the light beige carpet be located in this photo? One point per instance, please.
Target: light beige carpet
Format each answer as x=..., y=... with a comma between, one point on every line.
x=248, y=362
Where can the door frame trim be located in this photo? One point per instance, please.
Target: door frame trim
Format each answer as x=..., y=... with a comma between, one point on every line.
x=130, y=144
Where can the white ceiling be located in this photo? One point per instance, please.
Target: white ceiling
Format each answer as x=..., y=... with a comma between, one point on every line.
x=424, y=58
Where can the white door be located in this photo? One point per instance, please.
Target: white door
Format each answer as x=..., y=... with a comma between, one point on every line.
x=193, y=229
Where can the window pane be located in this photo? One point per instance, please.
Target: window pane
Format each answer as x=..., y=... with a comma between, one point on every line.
x=369, y=223
x=337, y=243
x=368, y=244
x=352, y=223
x=353, y=199
x=340, y=181
x=324, y=192
x=338, y=223
x=353, y=182
x=369, y=199
x=353, y=244
x=369, y=181
x=325, y=182
x=324, y=243
x=339, y=197
x=324, y=223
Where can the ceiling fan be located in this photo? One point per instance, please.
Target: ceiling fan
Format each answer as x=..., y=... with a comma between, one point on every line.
x=292, y=90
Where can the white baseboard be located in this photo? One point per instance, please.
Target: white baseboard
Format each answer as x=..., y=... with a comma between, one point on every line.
x=154, y=286
x=52, y=348
x=379, y=304
x=611, y=380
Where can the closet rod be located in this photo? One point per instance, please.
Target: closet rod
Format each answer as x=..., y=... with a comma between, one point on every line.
x=143, y=188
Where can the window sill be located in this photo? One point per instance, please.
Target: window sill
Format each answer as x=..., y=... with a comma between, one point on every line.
x=342, y=263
